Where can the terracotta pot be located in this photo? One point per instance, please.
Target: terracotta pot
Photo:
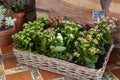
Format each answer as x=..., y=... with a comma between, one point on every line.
x=6, y=36
x=20, y=20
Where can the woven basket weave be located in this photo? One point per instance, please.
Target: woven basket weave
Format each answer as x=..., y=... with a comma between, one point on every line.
x=60, y=66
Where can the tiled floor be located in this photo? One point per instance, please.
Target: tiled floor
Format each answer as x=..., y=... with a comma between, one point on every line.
x=114, y=63
x=11, y=70
x=19, y=76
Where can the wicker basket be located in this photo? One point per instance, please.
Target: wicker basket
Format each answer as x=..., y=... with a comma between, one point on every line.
x=62, y=67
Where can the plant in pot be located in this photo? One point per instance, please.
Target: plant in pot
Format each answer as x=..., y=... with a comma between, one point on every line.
x=16, y=8
x=6, y=27
x=68, y=41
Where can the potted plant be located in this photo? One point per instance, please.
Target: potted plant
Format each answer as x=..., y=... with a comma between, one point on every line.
x=16, y=8
x=6, y=27
x=65, y=40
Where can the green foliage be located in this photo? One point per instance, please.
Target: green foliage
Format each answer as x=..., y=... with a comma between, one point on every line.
x=2, y=11
x=64, y=40
x=8, y=21
x=14, y=6
x=107, y=26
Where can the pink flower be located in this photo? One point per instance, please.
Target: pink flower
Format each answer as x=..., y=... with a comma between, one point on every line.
x=116, y=19
x=107, y=28
x=96, y=27
x=113, y=23
x=114, y=26
x=110, y=20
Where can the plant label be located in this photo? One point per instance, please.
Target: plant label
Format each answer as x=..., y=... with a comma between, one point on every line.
x=98, y=14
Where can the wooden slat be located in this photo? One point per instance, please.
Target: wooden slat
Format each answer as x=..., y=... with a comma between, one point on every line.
x=116, y=1
x=114, y=7
x=77, y=10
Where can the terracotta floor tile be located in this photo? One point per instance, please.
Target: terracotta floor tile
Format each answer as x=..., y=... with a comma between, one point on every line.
x=20, y=76
x=48, y=75
x=10, y=62
x=114, y=58
x=116, y=72
x=7, y=49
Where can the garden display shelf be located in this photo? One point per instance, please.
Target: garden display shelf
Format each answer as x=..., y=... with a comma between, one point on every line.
x=62, y=67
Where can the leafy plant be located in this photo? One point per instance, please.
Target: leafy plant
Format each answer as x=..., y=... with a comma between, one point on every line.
x=93, y=42
x=64, y=40
x=2, y=11
x=5, y=22
x=107, y=26
x=14, y=6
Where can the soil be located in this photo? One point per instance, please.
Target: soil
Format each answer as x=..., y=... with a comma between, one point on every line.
x=100, y=61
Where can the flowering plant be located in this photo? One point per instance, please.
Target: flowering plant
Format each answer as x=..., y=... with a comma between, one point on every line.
x=94, y=41
x=54, y=22
x=55, y=37
x=87, y=47
x=14, y=6
x=107, y=26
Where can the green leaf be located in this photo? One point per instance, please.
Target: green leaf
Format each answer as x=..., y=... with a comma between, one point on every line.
x=70, y=56
x=59, y=49
x=43, y=44
x=89, y=63
x=107, y=37
x=63, y=57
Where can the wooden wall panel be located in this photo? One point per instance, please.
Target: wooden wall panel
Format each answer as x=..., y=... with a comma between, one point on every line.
x=116, y=1
x=78, y=10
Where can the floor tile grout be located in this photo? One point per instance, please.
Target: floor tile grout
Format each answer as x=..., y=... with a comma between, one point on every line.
x=2, y=77
x=16, y=70
x=2, y=71
x=35, y=74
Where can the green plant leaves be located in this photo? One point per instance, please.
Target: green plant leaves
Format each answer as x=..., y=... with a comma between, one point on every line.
x=58, y=48
x=43, y=44
x=107, y=37
x=64, y=40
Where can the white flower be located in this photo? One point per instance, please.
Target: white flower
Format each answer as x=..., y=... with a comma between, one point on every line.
x=59, y=36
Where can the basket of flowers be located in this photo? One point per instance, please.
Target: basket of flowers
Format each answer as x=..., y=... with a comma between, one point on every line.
x=65, y=47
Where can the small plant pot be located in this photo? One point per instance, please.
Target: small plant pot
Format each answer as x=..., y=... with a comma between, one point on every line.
x=6, y=36
x=20, y=20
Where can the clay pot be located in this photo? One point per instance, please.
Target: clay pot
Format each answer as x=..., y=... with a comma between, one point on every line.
x=20, y=20
x=6, y=36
